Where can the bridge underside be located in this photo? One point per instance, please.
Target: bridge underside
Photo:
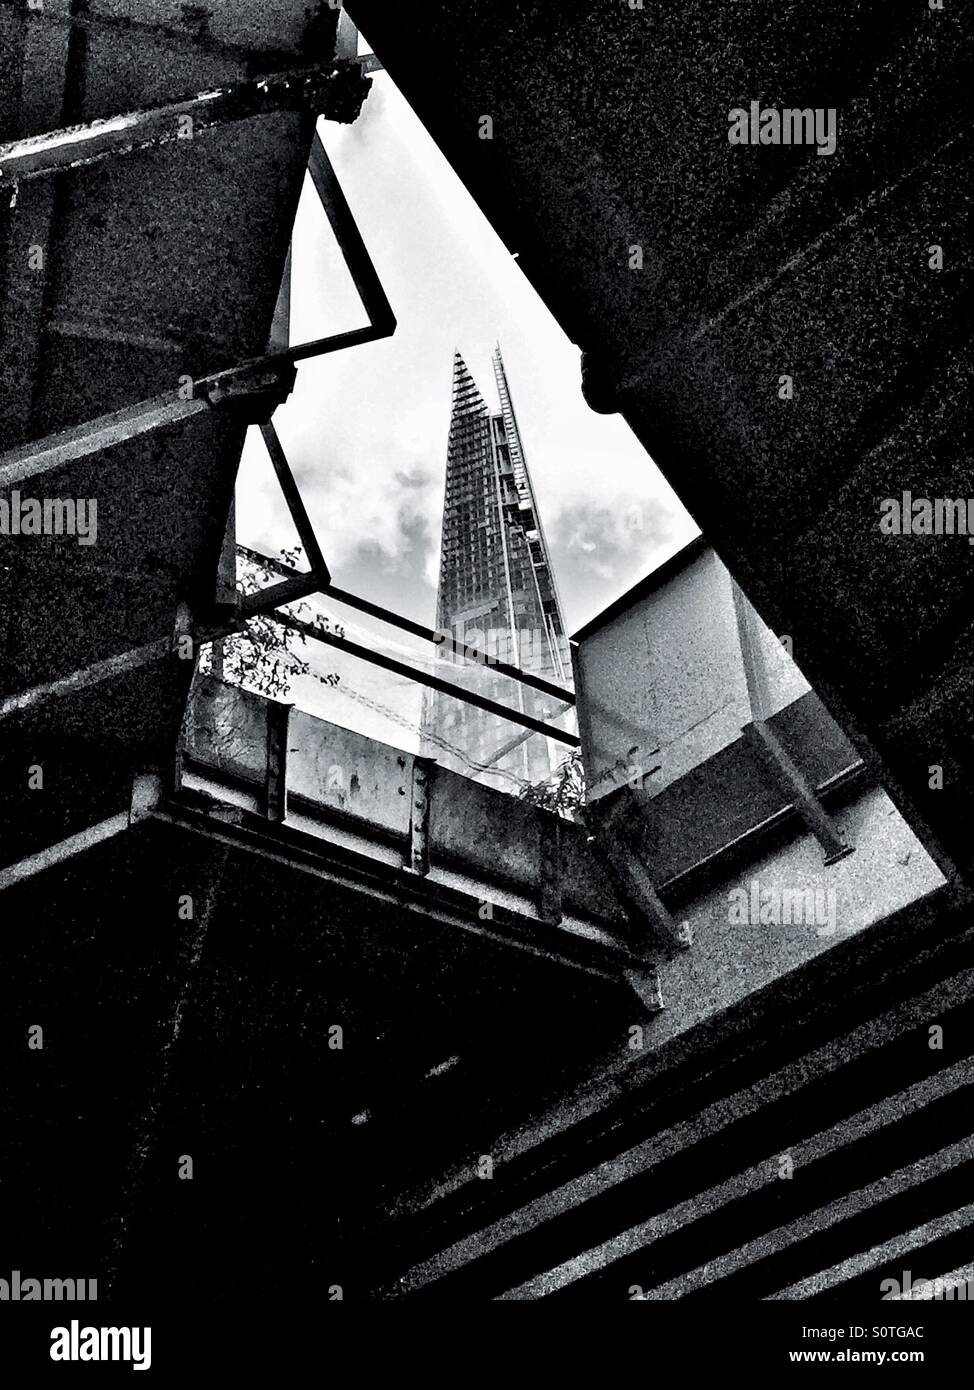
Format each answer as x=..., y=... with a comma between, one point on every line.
x=188, y=969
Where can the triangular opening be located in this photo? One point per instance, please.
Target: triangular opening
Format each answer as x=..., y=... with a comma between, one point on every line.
x=263, y=521
x=318, y=295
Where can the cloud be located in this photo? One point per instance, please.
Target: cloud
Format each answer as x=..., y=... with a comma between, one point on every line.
x=601, y=550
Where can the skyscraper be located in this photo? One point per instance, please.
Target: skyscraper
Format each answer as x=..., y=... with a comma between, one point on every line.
x=496, y=593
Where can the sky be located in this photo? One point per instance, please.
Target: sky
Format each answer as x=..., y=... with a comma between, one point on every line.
x=365, y=430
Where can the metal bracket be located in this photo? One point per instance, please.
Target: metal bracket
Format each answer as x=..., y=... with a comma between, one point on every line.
x=609, y=822
x=419, y=816
x=253, y=391
x=796, y=786
x=275, y=779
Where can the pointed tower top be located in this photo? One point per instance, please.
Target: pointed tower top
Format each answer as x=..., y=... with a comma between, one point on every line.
x=466, y=395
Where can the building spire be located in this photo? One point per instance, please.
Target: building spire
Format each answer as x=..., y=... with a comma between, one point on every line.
x=496, y=589
x=466, y=395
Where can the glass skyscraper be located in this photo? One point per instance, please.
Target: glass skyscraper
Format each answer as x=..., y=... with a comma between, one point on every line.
x=496, y=593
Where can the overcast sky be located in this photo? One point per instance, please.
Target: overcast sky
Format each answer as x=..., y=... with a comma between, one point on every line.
x=365, y=430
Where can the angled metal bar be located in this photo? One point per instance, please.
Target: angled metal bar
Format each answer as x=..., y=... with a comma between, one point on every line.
x=41, y=456
x=311, y=88
x=349, y=238
x=400, y=668
x=78, y=843
x=319, y=347
x=517, y=740
x=86, y=676
x=515, y=673
x=609, y=822
x=264, y=378
x=266, y=600
x=795, y=785
x=295, y=504
x=429, y=634
x=754, y=675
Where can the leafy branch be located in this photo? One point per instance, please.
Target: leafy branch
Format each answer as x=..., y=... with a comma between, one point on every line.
x=563, y=792
x=266, y=656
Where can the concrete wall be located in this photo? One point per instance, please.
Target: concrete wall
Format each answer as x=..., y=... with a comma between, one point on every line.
x=731, y=958
x=683, y=667
x=670, y=673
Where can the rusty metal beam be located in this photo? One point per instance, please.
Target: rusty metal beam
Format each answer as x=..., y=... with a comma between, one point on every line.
x=431, y=905
x=288, y=591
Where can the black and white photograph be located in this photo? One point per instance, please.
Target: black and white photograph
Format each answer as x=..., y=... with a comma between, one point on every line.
x=486, y=681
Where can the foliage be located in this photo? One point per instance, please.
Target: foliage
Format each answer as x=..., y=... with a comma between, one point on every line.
x=563, y=792
x=265, y=657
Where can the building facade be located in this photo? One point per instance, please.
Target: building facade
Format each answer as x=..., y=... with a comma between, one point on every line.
x=496, y=594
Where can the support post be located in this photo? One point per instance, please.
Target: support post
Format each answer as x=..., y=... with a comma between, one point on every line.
x=275, y=780
x=609, y=822
x=419, y=816
x=796, y=786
